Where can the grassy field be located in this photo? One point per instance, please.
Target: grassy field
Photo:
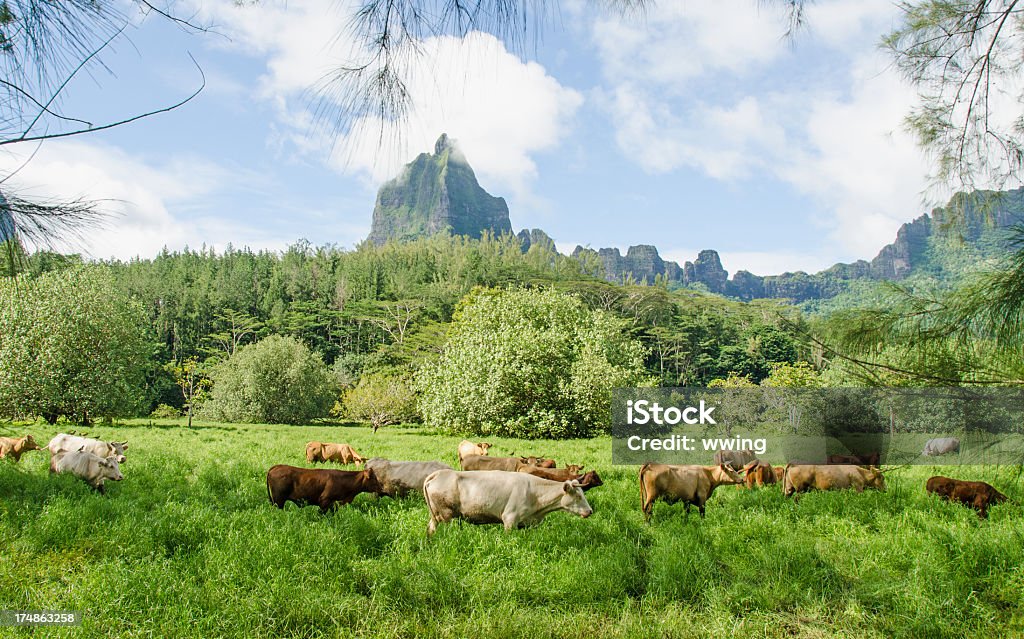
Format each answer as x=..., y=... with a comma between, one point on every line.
x=189, y=546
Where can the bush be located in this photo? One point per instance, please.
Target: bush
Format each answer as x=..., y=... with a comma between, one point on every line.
x=277, y=380
x=72, y=344
x=163, y=411
x=380, y=400
x=529, y=363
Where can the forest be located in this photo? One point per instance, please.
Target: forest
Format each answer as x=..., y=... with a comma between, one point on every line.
x=377, y=324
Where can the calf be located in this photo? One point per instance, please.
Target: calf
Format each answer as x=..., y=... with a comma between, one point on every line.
x=326, y=451
x=500, y=497
x=399, y=478
x=737, y=459
x=692, y=485
x=92, y=469
x=318, y=487
x=759, y=473
x=974, y=494
x=14, y=448
x=941, y=446
x=467, y=448
x=588, y=480
x=799, y=479
x=63, y=442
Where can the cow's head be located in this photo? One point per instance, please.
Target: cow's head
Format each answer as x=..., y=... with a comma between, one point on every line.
x=875, y=479
x=118, y=449
x=574, y=469
x=27, y=443
x=109, y=469
x=484, y=446
x=590, y=480
x=369, y=481
x=724, y=474
x=314, y=451
x=750, y=466
x=573, y=499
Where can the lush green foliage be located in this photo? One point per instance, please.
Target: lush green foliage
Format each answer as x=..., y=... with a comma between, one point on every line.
x=381, y=400
x=529, y=363
x=277, y=379
x=72, y=343
x=189, y=546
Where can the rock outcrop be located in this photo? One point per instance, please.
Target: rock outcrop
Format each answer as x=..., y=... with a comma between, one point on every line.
x=437, y=193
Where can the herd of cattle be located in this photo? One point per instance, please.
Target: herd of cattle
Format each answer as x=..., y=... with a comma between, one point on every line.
x=513, y=491
x=91, y=460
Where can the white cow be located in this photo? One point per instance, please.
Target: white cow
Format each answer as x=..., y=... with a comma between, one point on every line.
x=941, y=446
x=63, y=442
x=93, y=469
x=398, y=478
x=499, y=497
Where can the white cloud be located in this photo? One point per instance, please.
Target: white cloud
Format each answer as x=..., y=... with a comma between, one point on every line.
x=742, y=103
x=138, y=196
x=501, y=109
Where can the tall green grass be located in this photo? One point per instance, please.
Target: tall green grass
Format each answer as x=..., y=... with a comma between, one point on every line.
x=189, y=546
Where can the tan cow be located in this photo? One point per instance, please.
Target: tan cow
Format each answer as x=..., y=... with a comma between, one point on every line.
x=467, y=448
x=326, y=451
x=511, y=499
x=799, y=479
x=759, y=473
x=692, y=485
x=587, y=480
x=508, y=464
x=14, y=448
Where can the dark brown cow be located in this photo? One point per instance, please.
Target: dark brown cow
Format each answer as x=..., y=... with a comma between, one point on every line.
x=973, y=494
x=759, y=473
x=587, y=480
x=871, y=459
x=318, y=487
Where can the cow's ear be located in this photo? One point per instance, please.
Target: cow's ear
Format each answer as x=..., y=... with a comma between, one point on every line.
x=567, y=487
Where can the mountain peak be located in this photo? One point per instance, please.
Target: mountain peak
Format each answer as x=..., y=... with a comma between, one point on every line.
x=436, y=194
x=443, y=144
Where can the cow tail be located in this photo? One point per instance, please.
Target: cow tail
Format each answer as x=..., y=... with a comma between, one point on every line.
x=269, y=493
x=785, y=478
x=643, y=486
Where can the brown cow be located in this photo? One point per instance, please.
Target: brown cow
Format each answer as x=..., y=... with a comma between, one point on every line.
x=871, y=459
x=973, y=494
x=779, y=472
x=508, y=464
x=16, y=447
x=692, y=485
x=326, y=451
x=318, y=487
x=588, y=480
x=799, y=479
x=759, y=473
x=467, y=448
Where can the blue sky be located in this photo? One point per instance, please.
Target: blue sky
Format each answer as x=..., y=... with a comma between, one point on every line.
x=694, y=126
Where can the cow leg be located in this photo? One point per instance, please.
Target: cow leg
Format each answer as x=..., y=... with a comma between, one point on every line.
x=700, y=509
x=101, y=489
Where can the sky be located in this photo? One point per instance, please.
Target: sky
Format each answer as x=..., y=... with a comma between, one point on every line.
x=695, y=125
